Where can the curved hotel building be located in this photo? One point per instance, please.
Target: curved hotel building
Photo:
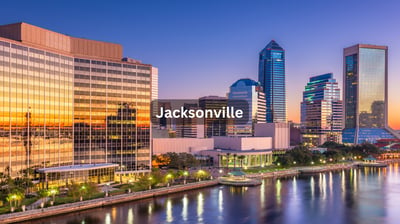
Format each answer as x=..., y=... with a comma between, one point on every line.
x=71, y=108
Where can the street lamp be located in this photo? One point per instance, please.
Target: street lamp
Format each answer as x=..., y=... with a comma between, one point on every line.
x=185, y=174
x=13, y=198
x=107, y=189
x=150, y=180
x=53, y=193
x=168, y=177
x=81, y=191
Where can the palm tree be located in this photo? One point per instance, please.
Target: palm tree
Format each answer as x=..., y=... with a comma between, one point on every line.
x=15, y=196
x=234, y=160
x=227, y=160
x=241, y=158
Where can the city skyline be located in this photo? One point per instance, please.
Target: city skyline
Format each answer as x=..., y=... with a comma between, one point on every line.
x=224, y=47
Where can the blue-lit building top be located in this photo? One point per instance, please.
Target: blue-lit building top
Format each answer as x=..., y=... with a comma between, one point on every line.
x=321, y=110
x=365, y=94
x=272, y=78
x=250, y=91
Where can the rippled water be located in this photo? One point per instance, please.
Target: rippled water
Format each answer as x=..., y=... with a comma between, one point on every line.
x=367, y=195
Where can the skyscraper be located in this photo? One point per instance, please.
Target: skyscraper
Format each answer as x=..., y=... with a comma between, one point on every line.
x=250, y=91
x=365, y=94
x=321, y=110
x=66, y=101
x=272, y=78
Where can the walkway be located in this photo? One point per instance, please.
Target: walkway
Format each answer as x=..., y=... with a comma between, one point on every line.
x=100, y=202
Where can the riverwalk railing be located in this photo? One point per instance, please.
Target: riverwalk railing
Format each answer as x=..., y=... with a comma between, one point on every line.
x=99, y=202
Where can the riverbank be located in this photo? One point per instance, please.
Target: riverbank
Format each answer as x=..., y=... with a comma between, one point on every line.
x=326, y=168
x=127, y=197
x=101, y=202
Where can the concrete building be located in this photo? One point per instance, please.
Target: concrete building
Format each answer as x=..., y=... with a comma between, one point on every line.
x=295, y=134
x=245, y=152
x=280, y=133
x=242, y=143
x=180, y=145
x=68, y=103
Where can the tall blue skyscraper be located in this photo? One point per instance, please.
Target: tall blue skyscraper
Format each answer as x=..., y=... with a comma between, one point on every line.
x=272, y=78
x=321, y=110
x=365, y=94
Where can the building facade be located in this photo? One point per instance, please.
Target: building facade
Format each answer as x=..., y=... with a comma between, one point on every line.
x=67, y=102
x=213, y=126
x=280, y=133
x=272, y=78
x=365, y=94
x=321, y=111
x=251, y=92
x=36, y=108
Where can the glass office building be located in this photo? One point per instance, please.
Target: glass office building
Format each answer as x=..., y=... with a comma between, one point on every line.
x=214, y=126
x=36, y=108
x=251, y=92
x=365, y=94
x=272, y=78
x=112, y=113
x=68, y=103
x=321, y=111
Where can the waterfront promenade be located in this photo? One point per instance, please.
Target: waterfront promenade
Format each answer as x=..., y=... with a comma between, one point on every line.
x=100, y=202
x=127, y=197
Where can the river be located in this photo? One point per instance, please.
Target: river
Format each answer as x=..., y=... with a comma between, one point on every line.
x=365, y=195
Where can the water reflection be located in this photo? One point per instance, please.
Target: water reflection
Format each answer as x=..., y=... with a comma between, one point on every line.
x=130, y=216
x=185, y=202
x=169, y=211
x=369, y=195
x=200, y=207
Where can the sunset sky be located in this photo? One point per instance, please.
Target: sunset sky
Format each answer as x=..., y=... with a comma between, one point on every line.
x=202, y=47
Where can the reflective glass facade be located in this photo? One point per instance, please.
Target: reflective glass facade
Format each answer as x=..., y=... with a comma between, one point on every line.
x=112, y=113
x=272, y=78
x=365, y=94
x=67, y=101
x=321, y=110
x=214, y=126
x=36, y=108
x=250, y=91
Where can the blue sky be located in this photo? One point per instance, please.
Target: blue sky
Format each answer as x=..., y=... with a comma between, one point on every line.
x=202, y=47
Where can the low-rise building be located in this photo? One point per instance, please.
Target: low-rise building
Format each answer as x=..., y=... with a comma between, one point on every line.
x=280, y=133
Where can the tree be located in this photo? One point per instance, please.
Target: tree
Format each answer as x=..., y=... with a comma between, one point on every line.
x=43, y=193
x=181, y=160
x=74, y=190
x=201, y=174
x=15, y=198
x=227, y=160
x=234, y=160
x=89, y=189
